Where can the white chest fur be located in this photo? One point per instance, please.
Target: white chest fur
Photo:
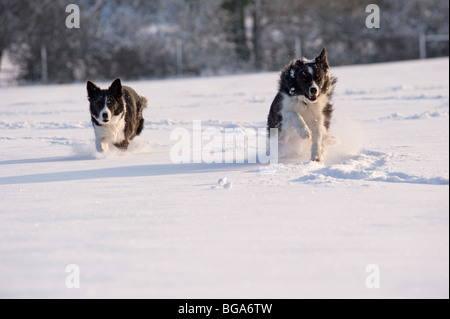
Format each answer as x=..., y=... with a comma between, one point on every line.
x=304, y=116
x=113, y=132
x=310, y=111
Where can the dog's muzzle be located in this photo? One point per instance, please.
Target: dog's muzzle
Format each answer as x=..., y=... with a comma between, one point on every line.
x=313, y=93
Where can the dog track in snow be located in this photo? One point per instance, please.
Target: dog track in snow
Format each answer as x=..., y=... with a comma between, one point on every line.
x=370, y=167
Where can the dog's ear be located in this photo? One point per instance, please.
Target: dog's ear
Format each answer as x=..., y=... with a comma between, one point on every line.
x=116, y=88
x=323, y=58
x=92, y=89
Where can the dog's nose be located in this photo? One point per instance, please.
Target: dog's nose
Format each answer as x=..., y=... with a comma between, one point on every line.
x=105, y=117
x=313, y=90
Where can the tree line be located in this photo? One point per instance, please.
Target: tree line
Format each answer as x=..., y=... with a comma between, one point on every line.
x=159, y=38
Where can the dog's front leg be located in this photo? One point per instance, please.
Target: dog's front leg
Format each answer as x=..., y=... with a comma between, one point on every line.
x=101, y=146
x=299, y=123
x=100, y=143
x=317, y=148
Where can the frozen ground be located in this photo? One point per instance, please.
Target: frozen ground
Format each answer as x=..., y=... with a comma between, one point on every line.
x=138, y=225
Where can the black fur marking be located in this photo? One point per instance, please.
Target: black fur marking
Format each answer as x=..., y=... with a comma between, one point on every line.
x=140, y=127
x=123, y=145
x=94, y=121
x=134, y=121
x=275, y=118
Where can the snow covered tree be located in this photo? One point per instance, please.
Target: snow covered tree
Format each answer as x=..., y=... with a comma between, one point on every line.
x=160, y=38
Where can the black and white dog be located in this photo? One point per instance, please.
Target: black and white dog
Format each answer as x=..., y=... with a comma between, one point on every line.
x=116, y=114
x=302, y=108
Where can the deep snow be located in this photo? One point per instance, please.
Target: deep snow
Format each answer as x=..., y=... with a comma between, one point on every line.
x=138, y=225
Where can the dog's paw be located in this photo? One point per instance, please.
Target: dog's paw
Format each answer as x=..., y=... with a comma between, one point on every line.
x=99, y=147
x=103, y=147
x=316, y=155
x=304, y=133
x=123, y=145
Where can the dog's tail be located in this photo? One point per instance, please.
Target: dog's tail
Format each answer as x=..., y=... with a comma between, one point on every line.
x=143, y=101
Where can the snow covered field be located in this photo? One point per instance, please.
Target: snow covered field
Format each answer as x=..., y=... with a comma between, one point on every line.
x=138, y=225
